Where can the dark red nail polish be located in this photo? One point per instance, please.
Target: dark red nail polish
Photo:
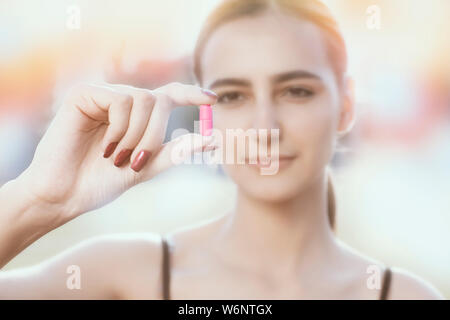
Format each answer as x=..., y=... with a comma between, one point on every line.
x=140, y=160
x=110, y=149
x=121, y=157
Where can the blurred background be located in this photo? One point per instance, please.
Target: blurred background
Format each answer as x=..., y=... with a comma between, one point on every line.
x=392, y=175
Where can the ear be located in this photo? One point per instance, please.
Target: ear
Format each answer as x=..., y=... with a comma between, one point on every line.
x=347, y=111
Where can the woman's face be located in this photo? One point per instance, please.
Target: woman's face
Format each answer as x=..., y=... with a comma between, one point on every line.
x=273, y=72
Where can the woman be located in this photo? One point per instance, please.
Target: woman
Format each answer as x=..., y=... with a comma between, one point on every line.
x=263, y=65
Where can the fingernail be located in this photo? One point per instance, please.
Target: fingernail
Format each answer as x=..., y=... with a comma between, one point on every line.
x=141, y=160
x=110, y=149
x=121, y=157
x=209, y=93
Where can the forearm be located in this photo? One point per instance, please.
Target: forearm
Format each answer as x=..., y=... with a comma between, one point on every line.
x=23, y=220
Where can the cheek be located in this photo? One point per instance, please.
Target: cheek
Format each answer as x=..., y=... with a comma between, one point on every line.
x=312, y=130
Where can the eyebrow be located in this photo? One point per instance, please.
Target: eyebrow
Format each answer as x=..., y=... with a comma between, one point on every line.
x=294, y=75
x=285, y=76
x=230, y=82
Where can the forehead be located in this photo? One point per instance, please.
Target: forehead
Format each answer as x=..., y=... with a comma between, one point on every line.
x=264, y=45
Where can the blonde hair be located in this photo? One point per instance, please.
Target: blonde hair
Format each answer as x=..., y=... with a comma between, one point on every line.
x=311, y=10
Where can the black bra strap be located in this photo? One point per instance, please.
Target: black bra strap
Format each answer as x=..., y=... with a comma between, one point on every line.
x=166, y=269
x=386, y=284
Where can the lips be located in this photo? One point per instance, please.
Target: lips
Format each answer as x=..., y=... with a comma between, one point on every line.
x=264, y=163
x=267, y=162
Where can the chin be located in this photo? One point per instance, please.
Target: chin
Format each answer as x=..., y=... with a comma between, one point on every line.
x=271, y=188
x=271, y=192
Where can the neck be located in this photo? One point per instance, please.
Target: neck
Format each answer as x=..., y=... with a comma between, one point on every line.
x=280, y=237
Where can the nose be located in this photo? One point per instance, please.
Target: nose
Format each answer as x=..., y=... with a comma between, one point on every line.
x=266, y=119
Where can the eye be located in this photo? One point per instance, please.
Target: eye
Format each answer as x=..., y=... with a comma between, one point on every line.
x=298, y=92
x=230, y=97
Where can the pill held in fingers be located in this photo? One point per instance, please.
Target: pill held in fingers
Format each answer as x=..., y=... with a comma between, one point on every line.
x=206, y=121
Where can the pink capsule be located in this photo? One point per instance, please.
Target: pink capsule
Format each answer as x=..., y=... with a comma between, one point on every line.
x=206, y=123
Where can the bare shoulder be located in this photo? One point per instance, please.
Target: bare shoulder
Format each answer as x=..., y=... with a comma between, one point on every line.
x=117, y=266
x=145, y=244
x=404, y=285
x=129, y=264
x=408, y=286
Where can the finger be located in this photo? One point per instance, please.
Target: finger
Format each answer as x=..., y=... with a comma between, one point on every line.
x=186, y=95
x=167, y=97
x=153, y=136
x=176, y=152
x=143, y=102
x=94, y=103
x=104, y=103
x=119, y=115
